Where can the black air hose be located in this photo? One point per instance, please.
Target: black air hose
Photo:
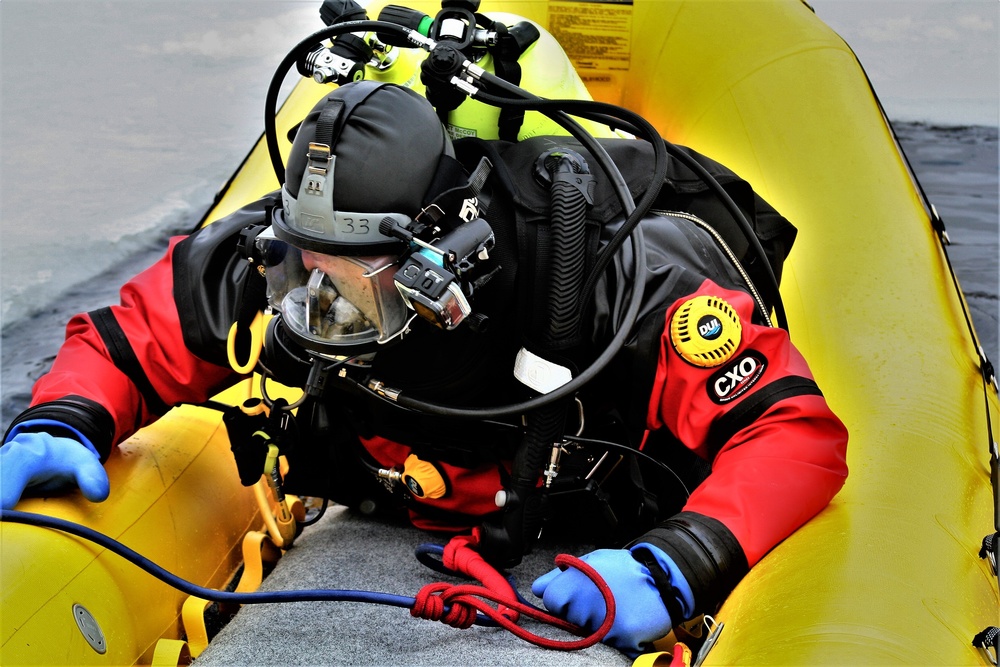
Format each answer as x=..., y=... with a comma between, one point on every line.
x=557, y=330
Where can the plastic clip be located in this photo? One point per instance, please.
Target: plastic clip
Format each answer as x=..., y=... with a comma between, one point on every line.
x=256, y=330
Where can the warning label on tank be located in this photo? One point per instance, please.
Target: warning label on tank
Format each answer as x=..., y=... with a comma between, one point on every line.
x=595, y=35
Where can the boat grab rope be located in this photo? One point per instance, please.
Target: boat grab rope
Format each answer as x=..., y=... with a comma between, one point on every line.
x=459, y=605
x=988, y=641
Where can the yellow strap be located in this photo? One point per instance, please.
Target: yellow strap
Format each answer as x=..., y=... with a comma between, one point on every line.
x=257, y=550
x=256, y=345
x=193, y=614
x=170, y=653
x=680, y=657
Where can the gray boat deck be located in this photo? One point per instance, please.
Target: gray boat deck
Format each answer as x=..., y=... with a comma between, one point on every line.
x=346, y=551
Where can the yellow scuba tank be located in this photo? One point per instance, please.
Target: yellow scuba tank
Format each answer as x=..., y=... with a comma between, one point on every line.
x=544, y=66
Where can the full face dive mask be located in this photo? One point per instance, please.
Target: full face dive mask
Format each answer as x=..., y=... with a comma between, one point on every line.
x=365, y=236
x=330, y=302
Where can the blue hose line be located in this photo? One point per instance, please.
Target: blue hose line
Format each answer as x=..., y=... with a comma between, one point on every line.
x=260, y=597
x=425, y=554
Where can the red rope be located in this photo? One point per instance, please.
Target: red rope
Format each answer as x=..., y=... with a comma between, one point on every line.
x=463, y=601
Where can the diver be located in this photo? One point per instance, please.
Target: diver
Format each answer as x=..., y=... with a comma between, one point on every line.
x=395, y=262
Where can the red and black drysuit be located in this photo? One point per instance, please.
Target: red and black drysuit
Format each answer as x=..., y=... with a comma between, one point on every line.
x=776, y=450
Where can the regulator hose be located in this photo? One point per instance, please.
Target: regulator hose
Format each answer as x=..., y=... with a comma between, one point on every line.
x=300, y=50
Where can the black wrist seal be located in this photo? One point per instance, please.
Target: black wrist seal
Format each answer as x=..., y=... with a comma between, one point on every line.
x=707, y=554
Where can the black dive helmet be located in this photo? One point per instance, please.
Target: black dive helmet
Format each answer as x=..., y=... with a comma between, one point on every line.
x=350, y=254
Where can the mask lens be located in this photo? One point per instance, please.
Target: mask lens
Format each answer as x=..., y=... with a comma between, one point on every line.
x=282, y=267
x=341, y=301
x=330, y=315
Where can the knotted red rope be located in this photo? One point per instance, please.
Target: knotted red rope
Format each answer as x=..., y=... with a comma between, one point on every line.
x=463, y=601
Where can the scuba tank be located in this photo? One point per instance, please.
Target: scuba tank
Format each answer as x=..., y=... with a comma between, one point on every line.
x=530, y=50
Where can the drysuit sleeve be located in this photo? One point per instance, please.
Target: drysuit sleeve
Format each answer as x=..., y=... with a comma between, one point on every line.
x=122, y=367
x=778, y=452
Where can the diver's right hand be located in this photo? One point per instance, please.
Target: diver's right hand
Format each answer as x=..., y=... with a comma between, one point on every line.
x=46, y=464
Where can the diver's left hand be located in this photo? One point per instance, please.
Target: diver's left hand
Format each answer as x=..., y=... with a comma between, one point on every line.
x=49, y=464
x=640, y=615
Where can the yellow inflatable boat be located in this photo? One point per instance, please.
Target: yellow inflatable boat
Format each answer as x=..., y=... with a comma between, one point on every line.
x=890, y=573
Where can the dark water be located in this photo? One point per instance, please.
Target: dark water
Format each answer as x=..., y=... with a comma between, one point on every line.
x=957, y=167
x=120, y=120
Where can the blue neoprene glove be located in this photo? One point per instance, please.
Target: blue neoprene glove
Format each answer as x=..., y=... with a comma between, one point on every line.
x=49, y=464
x=640, y=617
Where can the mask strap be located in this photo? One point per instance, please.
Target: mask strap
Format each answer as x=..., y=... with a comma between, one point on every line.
x=329, y=122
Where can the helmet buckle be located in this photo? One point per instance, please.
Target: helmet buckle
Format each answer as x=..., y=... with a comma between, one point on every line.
x=319, y=157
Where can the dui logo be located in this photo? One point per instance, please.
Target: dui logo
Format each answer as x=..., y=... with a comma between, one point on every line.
x=735, y=379
x=709, y=327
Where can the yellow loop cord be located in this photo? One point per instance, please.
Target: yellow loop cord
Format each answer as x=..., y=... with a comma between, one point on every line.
x=257, y=548
x=256, y=345
x=265, y=512
x=247, y=383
